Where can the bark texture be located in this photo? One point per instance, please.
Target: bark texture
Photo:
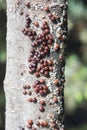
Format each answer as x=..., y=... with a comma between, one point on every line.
x=35, y=101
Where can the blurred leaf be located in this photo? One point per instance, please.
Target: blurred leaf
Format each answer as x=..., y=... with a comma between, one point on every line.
x=79, y=97
x=2, y=4
x=76, y=10
x=3, y=56
x=83, y=36
x=82, y=127
x=2, y=99
x=85, y=94
x=76, y=83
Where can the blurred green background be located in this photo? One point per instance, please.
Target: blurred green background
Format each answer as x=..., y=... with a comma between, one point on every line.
x=76, y=66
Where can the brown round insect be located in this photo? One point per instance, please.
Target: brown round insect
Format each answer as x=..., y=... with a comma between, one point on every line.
x=37, y=74
x=30, y=99
x=53, y=125
x=51, y=68
x=30, y=122
x=34, y=100
x=56, y=81
x=47, y=31
x=46, y=68
x=50, y=62
x=42, y=102
x=24, y=92
x=56, y=47
x=61, y=58
x=49, y=41
x=38, y=123
x=41, y=108
x=42, y=54
x=47, y=9
x=50, y=15
x=42, y=81
x=36, y=90
x=34, y=128
x=28, y=86
x=46, y=73
x=29, y=126
x=55, y=99
x=45, y=123
x=22, y=73
x=41, y=92
x=21, y=12
x=53, y=18
x=27, y=4
x=41, y=123
x=36, y=24
x=29, y=93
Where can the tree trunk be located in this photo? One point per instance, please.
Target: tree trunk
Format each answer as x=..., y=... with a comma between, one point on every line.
x=34, y=81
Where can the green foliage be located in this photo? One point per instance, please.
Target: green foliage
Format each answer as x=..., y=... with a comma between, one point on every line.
x=76, y=10
x=83, y=36
x=2, y=100
x=76, y=83
x=2, y=4
x=2, y=31
x=2, y=47
x=83, y=127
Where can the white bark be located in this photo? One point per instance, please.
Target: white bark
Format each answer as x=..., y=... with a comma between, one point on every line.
x=18, y=109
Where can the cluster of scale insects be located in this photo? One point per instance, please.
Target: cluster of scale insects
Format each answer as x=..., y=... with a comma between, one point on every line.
x=41, y=64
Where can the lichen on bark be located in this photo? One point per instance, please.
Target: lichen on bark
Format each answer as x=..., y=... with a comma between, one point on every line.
x=34, y=82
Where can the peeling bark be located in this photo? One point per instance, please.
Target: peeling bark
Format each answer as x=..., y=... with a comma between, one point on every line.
x=34, y=82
